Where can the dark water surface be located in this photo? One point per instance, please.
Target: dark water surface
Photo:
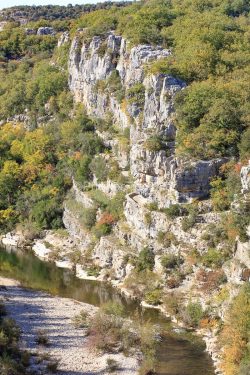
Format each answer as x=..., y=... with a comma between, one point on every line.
x=176, y=354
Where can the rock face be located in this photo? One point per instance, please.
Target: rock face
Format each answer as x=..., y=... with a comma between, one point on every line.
x=45, y=31
x=64, y=38
x=144, y=103
x=245, y=178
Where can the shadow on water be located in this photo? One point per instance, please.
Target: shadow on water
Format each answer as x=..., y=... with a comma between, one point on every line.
x=175, y=355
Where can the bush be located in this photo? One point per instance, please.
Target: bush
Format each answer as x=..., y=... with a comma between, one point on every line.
x=88, y=217
x=172, y=302
x=211, y=280
x=112, y=365
x=171, y=261
x=188, y=222
x=99, y=168
x=145, y=260
x=93, y=271
x=47, y=214
x=42, y=338
x=153, y=206
x=153, y=144
x=105, y=332
x=136, y=95
x=175, y=280
x=115, y=86
x=213, y=258
x=173, y=211
x=244, y=369
x=148, y=218
x=52, y=366
x=81, y=320
x=100, y=230
x=153, y=297
x=193, y=313
x=234, y=336
x=166, y=238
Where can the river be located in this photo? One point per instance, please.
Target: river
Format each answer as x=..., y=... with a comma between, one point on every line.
x=177, y=354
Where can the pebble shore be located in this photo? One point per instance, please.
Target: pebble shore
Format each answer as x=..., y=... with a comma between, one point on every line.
x=34, y=311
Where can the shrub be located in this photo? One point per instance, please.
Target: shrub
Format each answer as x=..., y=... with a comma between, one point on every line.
x=136, y=95
x=244, y=369
x=188, y=222
x=153, y=206
x=112, y=365
x=172, y=302
x=213, y=258
x=193, y=313
x=153, y=297
x=148, y=341
x=81, y=320
x=192, y=210
x=219, y=194
x=11, y=330
x=173, y=211
x=148, y=218
x=42, y=338
x=241, y=219
x=234, y=335
x=105, y=332
x=170, y=261
x=88, y=217
x=244, y=145
x=106, y=218
x=145, y=260
x=98, y=167
x=52, y=365
x=174, y=281
x=93, y=271
x=148, y=367
x=100, y=230
x=166, y=238
x=115, y=86
x=211, y=280
x=115, y=205
x=153, y=144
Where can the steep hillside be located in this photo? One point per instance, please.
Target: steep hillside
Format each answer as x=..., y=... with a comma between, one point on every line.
x=129, y=127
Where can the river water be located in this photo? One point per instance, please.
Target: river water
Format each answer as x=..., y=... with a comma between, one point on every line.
x=177, y=354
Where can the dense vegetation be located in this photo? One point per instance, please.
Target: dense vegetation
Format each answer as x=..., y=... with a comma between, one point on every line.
x=52, y=12
x=210, y=51
x=57, y=141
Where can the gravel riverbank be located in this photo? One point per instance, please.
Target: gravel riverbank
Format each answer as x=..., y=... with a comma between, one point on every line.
x=34, y=311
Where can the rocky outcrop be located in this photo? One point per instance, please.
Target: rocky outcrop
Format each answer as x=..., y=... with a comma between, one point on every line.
x=75, y=229
x=108, y=253
x=46, y=31
x=245, y=178
x=64, y=38
x=144, y=102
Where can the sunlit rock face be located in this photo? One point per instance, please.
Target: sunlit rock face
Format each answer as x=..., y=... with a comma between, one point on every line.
x=146, y=107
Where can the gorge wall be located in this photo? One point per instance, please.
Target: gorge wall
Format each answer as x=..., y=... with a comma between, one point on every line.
x=143, y=103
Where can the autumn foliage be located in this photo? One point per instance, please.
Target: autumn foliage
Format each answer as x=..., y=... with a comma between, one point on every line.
x=236, y=332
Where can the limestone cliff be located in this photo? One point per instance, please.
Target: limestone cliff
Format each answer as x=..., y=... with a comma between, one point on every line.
x=145, y=105
x=114, y=83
